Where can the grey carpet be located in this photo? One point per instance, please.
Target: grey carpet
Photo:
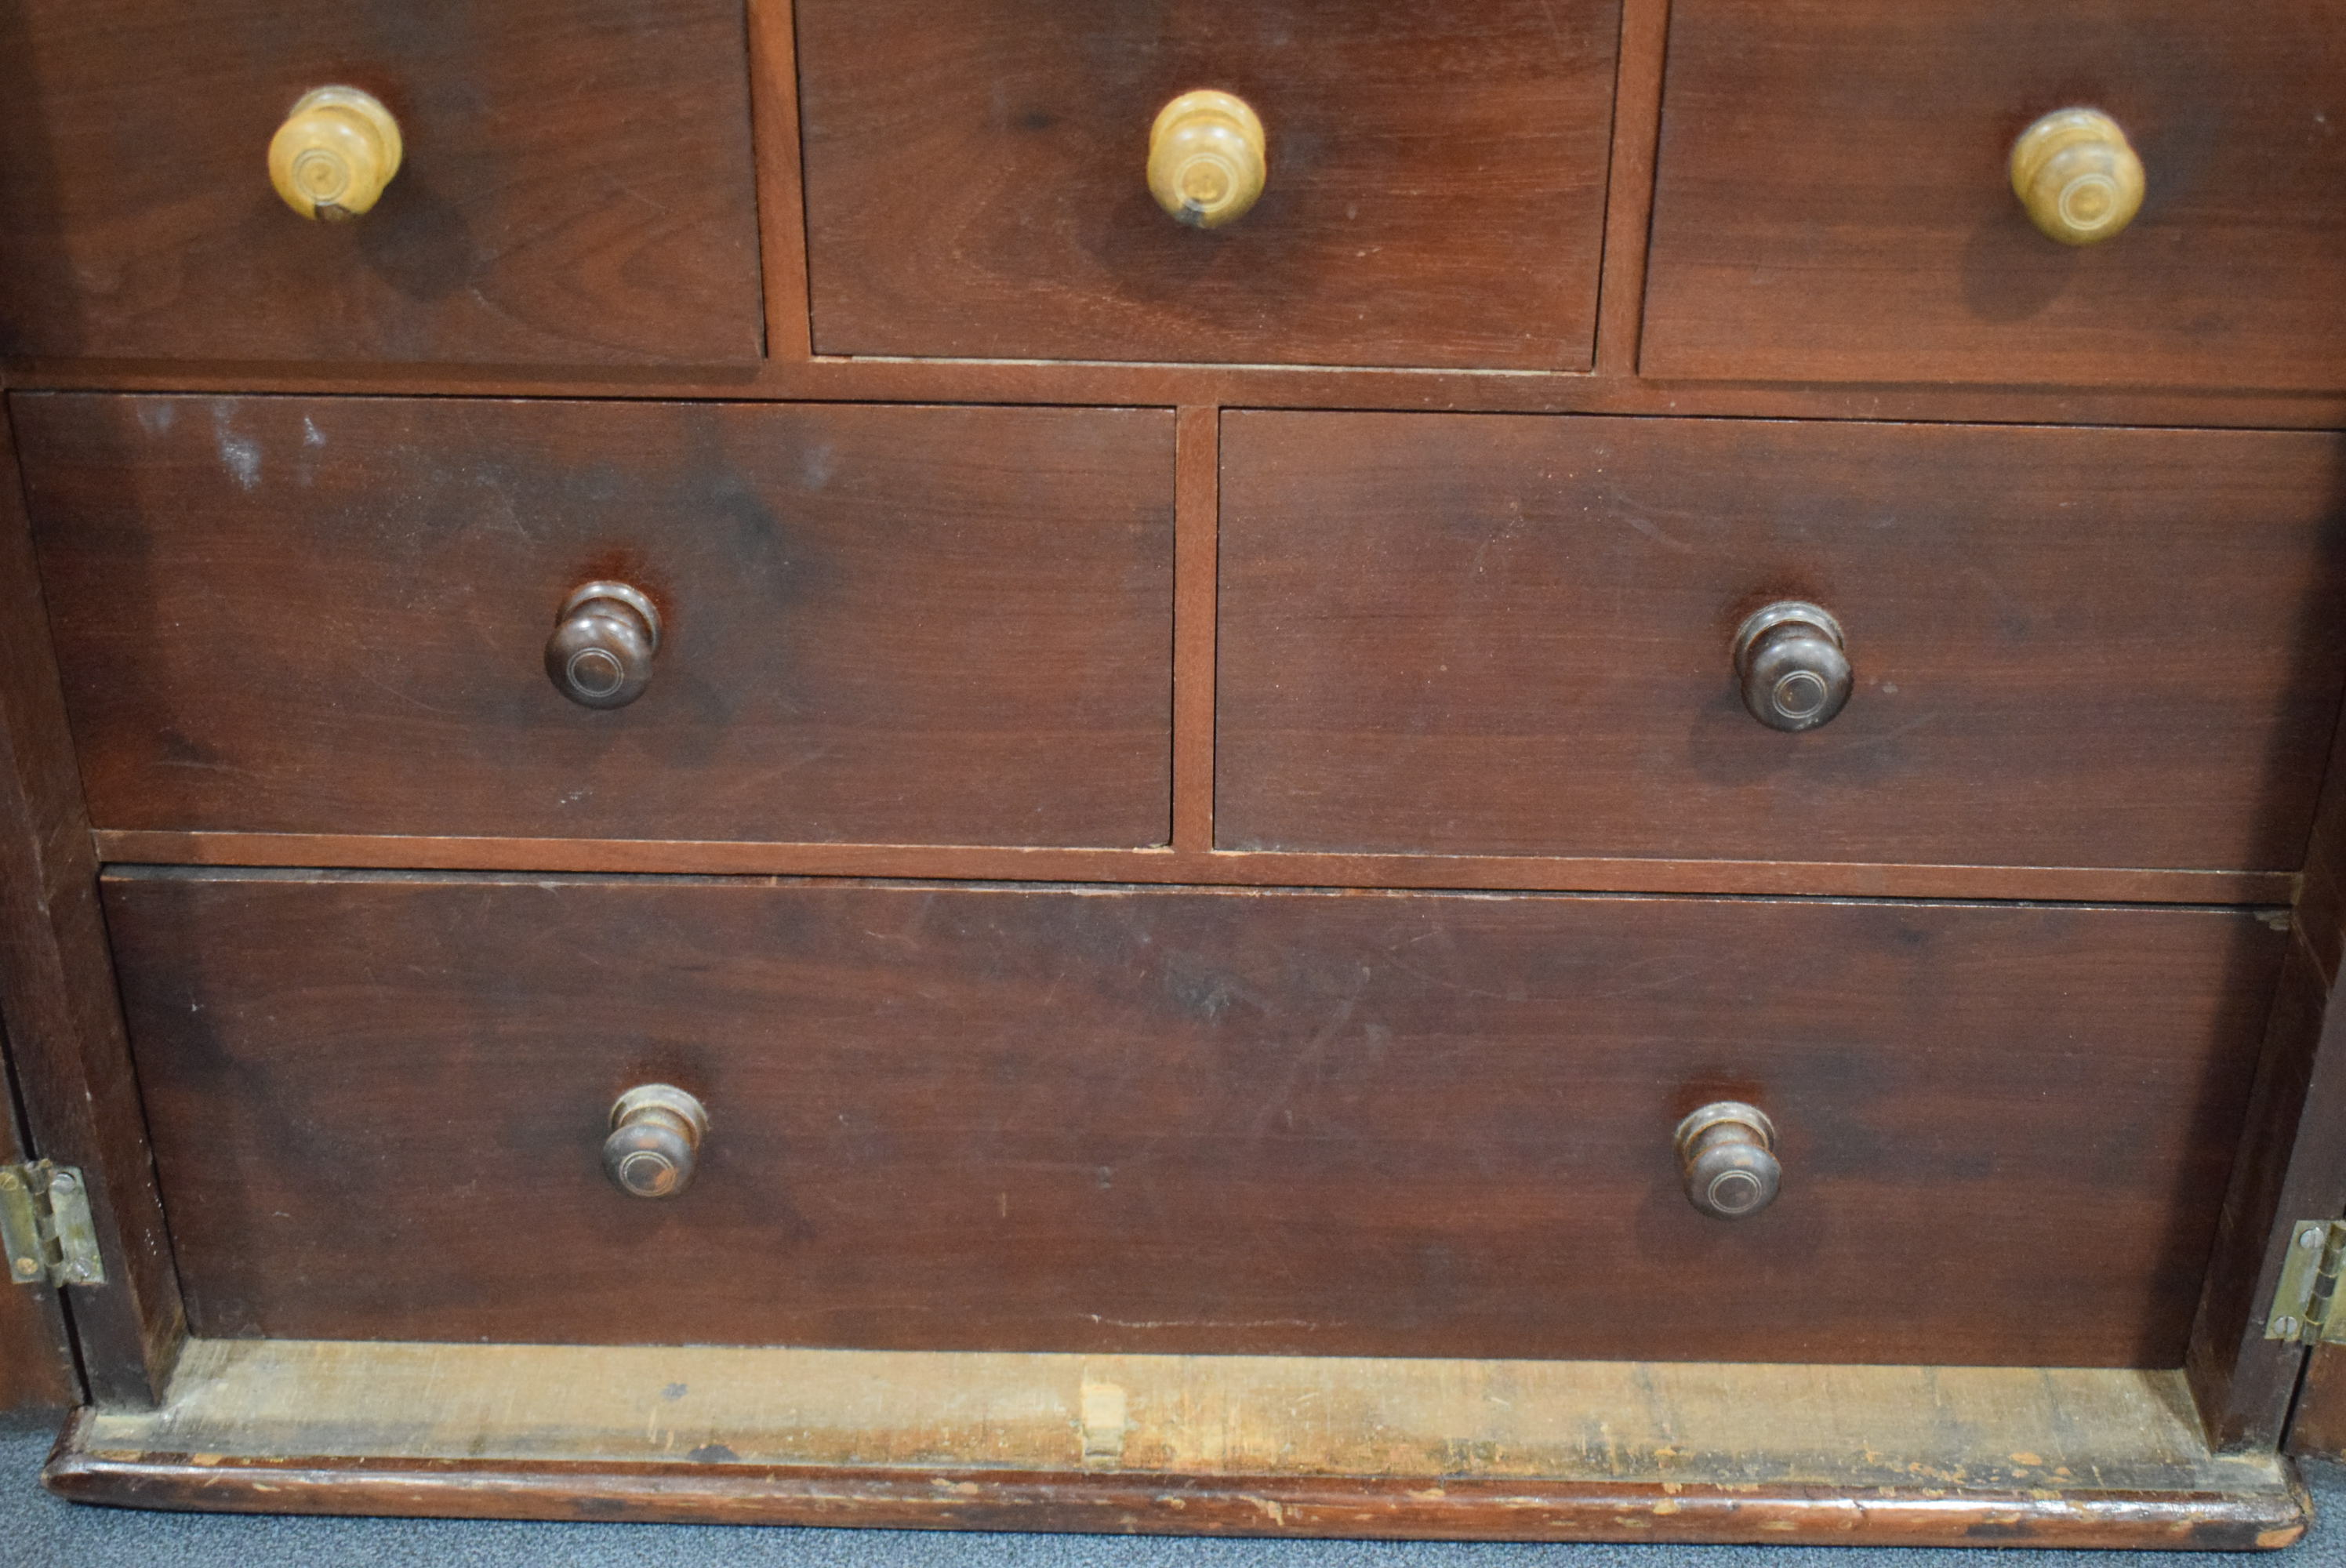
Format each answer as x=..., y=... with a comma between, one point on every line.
x=37, y=1531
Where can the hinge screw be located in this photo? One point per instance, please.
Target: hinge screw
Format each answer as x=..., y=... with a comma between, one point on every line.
x=2286, y=1327
x=11, y=1179
x=80, y=1271
x=27, y=1267
x=64, y=1181
x=2311, y=1237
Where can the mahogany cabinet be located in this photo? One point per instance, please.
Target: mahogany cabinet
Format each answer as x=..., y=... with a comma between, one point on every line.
x=1532, y=770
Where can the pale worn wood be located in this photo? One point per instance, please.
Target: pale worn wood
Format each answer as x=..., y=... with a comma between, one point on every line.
x=1241, y=1445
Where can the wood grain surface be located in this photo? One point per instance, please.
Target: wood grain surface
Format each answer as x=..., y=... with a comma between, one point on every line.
x=1255, y=869
x=1488, y=636
x=975, y=180
x=2291, y=1167
x=1237, y=1445
x=38, y=1381
x=2316, y=1421
x=58, y=1004
x=890, y=625
x=1835, y=203
x=972, y=1117
x=1066, y=382
x=577, y=187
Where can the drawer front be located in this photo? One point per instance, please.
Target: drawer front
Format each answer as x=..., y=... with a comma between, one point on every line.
x=1835, y=199
x=573, y=185
x=985, y=1117
x=976, y=180
x=877, y=625
x=1501, y=636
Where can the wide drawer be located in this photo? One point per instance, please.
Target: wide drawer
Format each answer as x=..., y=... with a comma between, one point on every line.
x=575, y=182
x=1835, y=199
x=1475, y=635
x=876, y=625
x=976, y=180
x=990, y=1117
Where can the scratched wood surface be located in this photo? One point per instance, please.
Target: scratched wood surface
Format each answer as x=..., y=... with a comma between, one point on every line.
x=1247, y=1445
x=992, y=1117
x=576, y=188
x=879, y=624
x=1476, y=635
x=1834, y=200
x=38, y=1381
x=1436, y=197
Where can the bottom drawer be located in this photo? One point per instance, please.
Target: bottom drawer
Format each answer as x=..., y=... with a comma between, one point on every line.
x=969, y=1116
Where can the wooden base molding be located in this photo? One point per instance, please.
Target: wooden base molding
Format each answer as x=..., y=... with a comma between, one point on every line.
x=1196, y=1445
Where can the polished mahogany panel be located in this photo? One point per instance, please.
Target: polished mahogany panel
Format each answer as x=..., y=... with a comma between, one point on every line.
x=1834, y=199
x=877, y=625
x=1470, y=635
x=575, y=186
x=987, y=1116
x=976, y=180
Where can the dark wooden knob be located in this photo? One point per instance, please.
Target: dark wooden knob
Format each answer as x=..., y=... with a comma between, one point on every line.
x=1727, y=1152
x=1794, y=669
x=656, y=1133
x=600, y=655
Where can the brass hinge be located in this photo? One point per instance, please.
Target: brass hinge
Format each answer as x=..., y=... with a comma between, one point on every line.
x=45, y=1226
x=2305, y=1308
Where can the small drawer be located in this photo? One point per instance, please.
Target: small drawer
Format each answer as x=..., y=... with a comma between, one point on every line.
x=1432, y=192
x=572, y=182
x=836, y=623
x=1478, y=635
x=1836, y=197
x=969, y=1117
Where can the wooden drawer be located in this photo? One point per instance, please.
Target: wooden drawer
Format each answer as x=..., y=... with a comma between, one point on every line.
x=878, y=624
x=975, y=180
x=1835, y=199
x=1501, y=636
x=574, y=184
x=988, y=1117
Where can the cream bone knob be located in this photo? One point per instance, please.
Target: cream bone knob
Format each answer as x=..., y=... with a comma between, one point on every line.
x=1206, y=161
x=335, y=154
x=2077, y=176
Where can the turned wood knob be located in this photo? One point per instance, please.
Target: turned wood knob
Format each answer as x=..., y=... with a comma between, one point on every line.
x=1726, y=1153
x=334, y=153
x=2077, y=176
x=656, y=1133
x=1790, y=660
x=1206, y=161
x=600, y=655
